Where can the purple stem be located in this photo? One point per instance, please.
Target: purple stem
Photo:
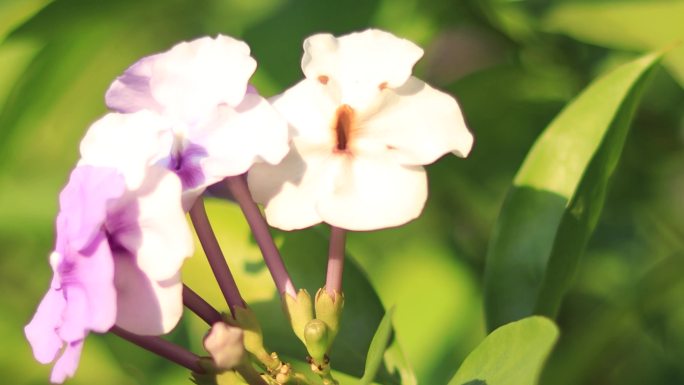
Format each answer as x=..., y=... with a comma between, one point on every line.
x=333, y=279
x=217, y=262
x=238, y=187
x=163, y=348
x=199, y=306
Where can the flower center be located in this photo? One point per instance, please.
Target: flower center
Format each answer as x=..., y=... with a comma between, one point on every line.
x=344, y=122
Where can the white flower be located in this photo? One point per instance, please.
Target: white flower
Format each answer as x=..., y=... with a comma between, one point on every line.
x=361, y=127
x=213, y=125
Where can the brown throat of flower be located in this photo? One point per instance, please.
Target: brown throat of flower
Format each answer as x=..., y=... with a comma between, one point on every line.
x=343, y=125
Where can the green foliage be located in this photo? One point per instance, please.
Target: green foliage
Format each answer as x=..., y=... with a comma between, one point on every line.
x=512, y=354
x=377, y=348
x=531, y=226
x=645, y=25
x=512, y=65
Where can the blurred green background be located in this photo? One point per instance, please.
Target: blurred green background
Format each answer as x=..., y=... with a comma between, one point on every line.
x=512, y=65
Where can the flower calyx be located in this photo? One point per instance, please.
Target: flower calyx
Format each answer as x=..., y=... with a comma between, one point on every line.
x=299, y=311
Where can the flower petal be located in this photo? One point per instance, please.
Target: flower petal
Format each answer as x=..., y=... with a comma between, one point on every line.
x=194, y=77
x=75, y=315
x=237, y=138
x=41, y=332
x=360, y=64
x=95, y=274
x=145, y=306
x=290, y=189
x=128, y=143
x=150, y=223
x=131, y=92
x=417, y=124
x=373, y=193
x=67, y=363
x=310, y=112
x=83, y=205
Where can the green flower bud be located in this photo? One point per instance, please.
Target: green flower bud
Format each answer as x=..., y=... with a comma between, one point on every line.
x=316, y=339
x=329, y=310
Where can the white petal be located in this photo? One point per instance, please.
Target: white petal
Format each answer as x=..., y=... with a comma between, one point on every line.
x=290, y=189
x=128, y=143
x=150, y=223
x=238, y=137
x=310, y=112
x=417, y=124
x=359, y=64
x=373, y=193
x=145, y=306
x=194, y=77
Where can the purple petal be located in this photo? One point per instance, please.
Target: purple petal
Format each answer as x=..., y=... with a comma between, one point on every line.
x=130, y=92
x=150, y=224
x=41, y=332
x=187, y=166
x=67, y=363
x=83, y=206
x=96, y=275
x=75, y=318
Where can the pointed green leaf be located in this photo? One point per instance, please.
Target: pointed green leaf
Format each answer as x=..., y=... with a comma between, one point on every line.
x=531, y=226
x=512, y=354
x=645, y=25
x=14, y=13
x=377, y=348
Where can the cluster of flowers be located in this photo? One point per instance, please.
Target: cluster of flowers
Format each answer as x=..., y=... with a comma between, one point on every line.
x=344, y=146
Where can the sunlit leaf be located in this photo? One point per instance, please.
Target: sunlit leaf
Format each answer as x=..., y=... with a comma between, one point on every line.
x=15, y=12
x=377, y=348
x=644, y=25
x=512, y=354
x=529, y=222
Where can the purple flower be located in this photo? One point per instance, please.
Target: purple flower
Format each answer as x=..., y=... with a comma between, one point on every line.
x=116, y=261
x=82, y=296
x=216, y=124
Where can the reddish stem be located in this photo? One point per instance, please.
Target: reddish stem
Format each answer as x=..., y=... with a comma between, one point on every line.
x=333, y=279
x=238, y=187
x=199, y=306
x=217, y=262
x=162, y=348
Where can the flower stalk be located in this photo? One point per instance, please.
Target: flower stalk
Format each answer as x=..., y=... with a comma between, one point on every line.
x=333, y=280
x=217, y=261
x=238, y=188
x=200, y=307
x=162, y=348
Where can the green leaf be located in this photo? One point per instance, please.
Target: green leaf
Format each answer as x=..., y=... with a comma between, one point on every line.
x=512, y=354
x=377, y=348
x=645, y=25
x=14, y=13
x=532, y=226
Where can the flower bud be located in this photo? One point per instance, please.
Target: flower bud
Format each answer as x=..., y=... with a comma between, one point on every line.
x=329, y=310
x=316, y=339
x=225, y=344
